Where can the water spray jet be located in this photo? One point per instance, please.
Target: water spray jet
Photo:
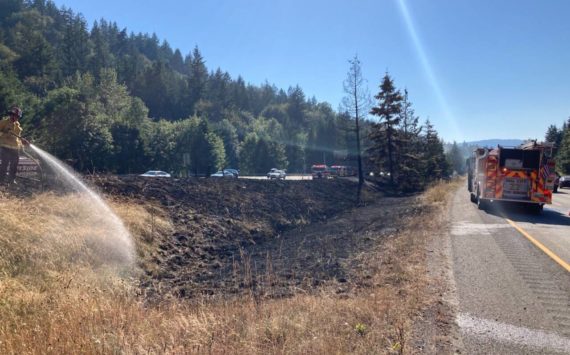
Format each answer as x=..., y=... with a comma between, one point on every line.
x=117, y=243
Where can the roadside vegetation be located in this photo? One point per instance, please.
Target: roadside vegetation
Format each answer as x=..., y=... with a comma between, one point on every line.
x=561, y=139
x=61, y=294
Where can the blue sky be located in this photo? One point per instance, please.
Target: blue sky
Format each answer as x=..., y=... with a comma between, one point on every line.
x=478, y=69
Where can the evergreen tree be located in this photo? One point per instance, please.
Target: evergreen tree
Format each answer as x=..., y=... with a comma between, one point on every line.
x=434, y=157
x=177, y=62
x=218, y=94
x=75, y=46
x=155, y=79
x=36, y=61
x=296, y=106
x=160, y=145
x=197, y=79
x=240, y=98
x=455, y=159
x=101, y=57
x=552, y=134
x=563, y=156
x=385, y=133
x=410, y=163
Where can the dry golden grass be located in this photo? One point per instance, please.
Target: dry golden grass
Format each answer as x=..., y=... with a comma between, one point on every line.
x=60, y=294
x=438, y=193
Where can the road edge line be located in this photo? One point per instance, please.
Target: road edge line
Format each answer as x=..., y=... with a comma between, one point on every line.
x=540, y=246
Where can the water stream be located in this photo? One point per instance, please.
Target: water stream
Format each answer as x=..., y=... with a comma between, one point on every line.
x=117, y=236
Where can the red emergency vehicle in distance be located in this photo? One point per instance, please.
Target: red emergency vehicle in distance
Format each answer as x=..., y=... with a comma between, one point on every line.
x=320, y=171
x=343, y=170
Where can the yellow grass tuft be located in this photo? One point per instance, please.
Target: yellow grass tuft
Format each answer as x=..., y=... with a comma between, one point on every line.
x=439, y=192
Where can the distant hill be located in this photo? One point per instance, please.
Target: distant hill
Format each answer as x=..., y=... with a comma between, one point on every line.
x=467, y=147
x=495, y=142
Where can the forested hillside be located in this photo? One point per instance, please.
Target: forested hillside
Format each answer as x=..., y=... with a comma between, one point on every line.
x=108, y=100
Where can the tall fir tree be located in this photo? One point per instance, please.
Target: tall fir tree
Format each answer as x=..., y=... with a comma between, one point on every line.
x=410, y=164
x=385, y=135
x=436, y=166
x=197, y=80
x=75, y=46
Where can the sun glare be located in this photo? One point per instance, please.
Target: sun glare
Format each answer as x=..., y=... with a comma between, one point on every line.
x=428, y=70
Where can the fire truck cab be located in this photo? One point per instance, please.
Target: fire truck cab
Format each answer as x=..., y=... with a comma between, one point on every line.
x=524, y=174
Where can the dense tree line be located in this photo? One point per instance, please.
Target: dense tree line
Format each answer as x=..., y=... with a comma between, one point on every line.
x=561, y=139
x=410, y=154
x=109, y=100
x=105, y=99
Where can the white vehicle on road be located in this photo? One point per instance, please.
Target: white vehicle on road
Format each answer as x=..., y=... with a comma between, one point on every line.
x=226, y=173
x=276, y=174
x=155, y=173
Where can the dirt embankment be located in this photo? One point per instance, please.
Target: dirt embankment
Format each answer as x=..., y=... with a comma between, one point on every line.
x=231, y=237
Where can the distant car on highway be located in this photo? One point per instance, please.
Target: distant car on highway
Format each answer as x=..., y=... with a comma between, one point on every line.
x=155, y=173
x=564, y=181
x=226, y=173
x=276, y=174
x=233, y=171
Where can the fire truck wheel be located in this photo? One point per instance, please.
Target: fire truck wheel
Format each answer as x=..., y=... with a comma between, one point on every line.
x=481, y=204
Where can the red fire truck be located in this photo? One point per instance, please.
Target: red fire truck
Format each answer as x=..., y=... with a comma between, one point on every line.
x=524, y=174
x=343, y=170
x=320, y=171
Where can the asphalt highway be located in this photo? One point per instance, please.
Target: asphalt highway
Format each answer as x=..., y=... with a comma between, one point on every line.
x=511, y=273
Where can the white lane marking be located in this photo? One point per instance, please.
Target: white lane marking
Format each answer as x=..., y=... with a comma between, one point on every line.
x=468, y=228
x=502, y=332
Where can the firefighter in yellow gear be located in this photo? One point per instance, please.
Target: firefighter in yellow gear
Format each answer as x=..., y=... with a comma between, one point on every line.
x=10, y=144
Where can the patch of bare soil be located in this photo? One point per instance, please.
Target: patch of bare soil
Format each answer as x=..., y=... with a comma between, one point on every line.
x=266, y=239
x=217, y=222
x=333, y=254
